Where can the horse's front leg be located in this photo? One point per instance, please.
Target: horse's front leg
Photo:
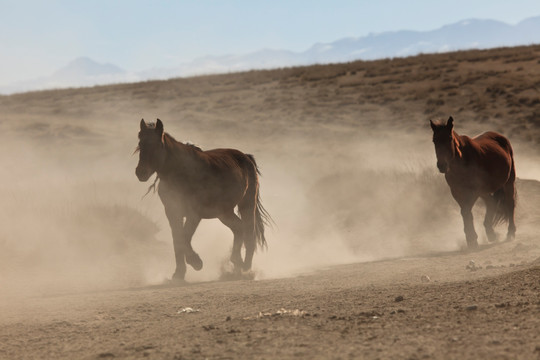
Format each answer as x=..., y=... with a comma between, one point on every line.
x=176, y=222
x=192, y=258
x=468, y=223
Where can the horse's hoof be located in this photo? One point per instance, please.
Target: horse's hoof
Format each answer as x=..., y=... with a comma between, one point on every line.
x=176, y=282
x=178, y=278
x=237, y=262
x=472, y=244
x=229, y=276
x=492, y=238
x=248, y=275
x=237, y=275
x=195, y=261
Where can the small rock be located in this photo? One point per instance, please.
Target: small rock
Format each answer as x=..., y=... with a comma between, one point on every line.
x=425, y=279
x=228, y=318
x=398, y=298
x=471, y=307
x=106, y=355
x=472, y=266
x=187, y=310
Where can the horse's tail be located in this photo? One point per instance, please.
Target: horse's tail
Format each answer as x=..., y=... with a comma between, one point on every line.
x=262, y=217
x=505, y=197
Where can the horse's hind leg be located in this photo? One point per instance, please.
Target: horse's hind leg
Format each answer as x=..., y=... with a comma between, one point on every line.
x=510, y=204
x=247, y=211
x=192, y=258
x=491, y=206
x=234, y=223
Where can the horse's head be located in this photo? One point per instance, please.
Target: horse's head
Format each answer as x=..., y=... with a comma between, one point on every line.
x=445, y=144
x=151, y=149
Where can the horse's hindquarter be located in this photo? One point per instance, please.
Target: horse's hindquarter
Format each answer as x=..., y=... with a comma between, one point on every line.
x=496, y=155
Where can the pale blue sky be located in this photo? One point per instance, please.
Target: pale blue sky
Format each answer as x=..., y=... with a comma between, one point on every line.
x=39, y=36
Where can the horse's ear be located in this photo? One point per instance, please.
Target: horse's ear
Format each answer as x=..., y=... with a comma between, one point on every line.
x=143, y=124
x=159, y=126
x=432, y=125
x=450, y=123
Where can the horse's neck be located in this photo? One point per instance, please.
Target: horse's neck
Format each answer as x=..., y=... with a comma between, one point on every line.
x=462, y=145
x=181, y=158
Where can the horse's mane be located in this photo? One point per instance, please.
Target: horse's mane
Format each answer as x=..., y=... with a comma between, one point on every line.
x=171, y=142
x=178, y=149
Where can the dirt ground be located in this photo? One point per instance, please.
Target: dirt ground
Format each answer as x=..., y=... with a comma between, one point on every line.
x=378, y=310
x=367, y=258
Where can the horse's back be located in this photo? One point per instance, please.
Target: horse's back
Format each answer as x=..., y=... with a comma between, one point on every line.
x=493, y=140
x=493, y=153
x=230, y=159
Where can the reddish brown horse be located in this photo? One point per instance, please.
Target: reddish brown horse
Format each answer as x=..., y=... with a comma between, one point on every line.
x=479, y=167
x=195, y=185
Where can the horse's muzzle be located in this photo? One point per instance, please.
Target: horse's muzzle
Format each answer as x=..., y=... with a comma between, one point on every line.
x=443, y=167
x=143, y=174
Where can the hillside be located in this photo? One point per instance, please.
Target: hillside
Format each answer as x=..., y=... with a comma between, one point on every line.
x=479, y=87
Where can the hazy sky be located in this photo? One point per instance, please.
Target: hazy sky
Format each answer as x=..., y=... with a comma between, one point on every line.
x=38, y=37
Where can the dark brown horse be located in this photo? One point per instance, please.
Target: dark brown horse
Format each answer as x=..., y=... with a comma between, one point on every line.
x=479, y=167
x=195, y=185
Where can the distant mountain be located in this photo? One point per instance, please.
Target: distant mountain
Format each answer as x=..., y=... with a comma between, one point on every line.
x=466, y=34
x=84, y=67
x=79, y=72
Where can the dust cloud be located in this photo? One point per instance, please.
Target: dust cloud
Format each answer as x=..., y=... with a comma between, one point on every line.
x=371, y=201
x=74, y=218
